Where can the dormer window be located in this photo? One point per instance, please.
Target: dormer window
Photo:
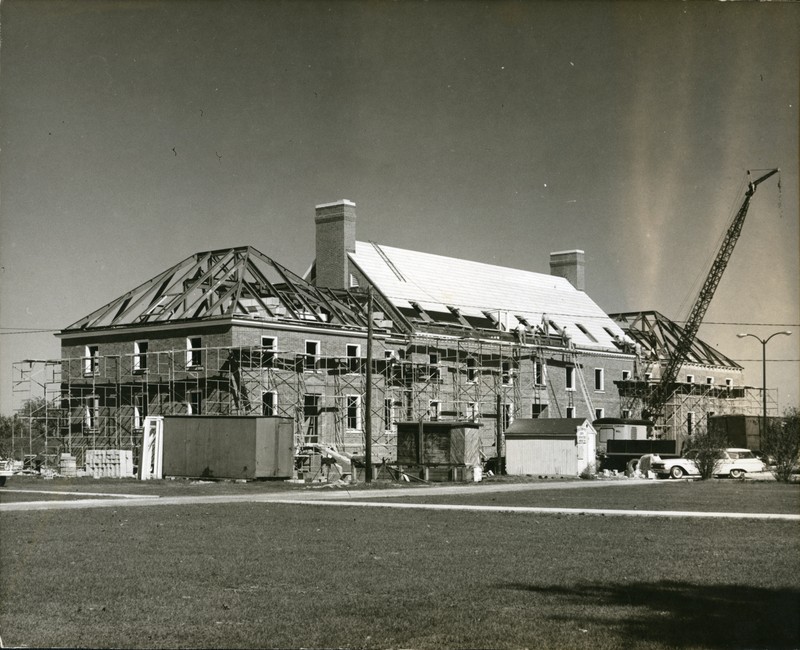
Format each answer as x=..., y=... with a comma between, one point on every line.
x=586, y=333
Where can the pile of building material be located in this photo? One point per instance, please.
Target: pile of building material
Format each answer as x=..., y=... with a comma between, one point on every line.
x=112, y=463
x=67, y=466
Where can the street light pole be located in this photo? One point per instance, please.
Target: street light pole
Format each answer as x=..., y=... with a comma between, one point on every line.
x=763, y=372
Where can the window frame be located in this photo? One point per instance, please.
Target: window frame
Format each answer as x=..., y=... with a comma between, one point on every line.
x=91, y=360
x=194, y=402
x=269, y=345
x=194, y=353
x=353, y=412
x=600, y=380
x=311, y=420
x=569, y=378
x=140, y=410
x=388, y=414
x=539, y=375
x=272, y=405
x=507, y=373
x=139, y=356
x=353, y=360
x=471, y=366
x=310, y=359
x=91, y=417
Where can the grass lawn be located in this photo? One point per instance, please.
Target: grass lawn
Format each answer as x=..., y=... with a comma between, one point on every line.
x=269, y=575
x=723, y=495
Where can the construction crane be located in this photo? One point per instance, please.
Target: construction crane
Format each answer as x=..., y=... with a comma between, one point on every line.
x=654, y=404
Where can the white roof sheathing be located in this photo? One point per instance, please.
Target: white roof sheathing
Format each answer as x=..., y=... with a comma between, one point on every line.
x=436, y=282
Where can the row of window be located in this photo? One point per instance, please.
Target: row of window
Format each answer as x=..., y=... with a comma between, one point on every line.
x=311, y=411
x=194, y=359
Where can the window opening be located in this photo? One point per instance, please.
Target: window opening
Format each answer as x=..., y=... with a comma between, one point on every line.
x=508, y=415
x=599, y=379
x=354, y=412
x=91, y=361
x=538, y=373
x=139, y=410
x=194, y=352
x=388, y=418
x=312, y=355
x=269, y=400
x=270, y=345
x=472, y=371
x=140, y=356
x=92, y=412
x=311, y=417
x=353, y=358
x=433, y=359
x=195, y=403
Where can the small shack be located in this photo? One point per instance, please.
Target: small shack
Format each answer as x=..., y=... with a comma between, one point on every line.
x=442, y=450
x=557, y=446
x=232, y=447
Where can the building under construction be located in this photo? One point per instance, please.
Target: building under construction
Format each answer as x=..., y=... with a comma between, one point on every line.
x=232, y=332
x=707, y=383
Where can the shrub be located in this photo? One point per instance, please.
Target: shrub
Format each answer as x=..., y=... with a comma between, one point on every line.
x=782, y=443
x=708, y=447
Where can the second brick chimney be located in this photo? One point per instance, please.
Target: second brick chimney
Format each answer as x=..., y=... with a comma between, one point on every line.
x=569, y=265
x=336, y=237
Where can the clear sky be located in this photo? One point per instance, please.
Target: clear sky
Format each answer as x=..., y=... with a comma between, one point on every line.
x=135, y=133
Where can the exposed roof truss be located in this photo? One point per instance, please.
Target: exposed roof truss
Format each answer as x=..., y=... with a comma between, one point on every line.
x=228, y=283
x=659, y=338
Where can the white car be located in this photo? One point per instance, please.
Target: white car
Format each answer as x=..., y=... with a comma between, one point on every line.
x=735, y=462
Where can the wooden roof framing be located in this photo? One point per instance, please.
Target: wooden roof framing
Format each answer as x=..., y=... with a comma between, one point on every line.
x=658, y=336
x=240, y=283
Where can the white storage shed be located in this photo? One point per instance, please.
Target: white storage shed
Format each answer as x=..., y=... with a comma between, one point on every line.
x=551, y=447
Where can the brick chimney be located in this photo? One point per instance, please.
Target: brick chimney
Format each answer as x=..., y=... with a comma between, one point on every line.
x=336, y=237
x=569, y=265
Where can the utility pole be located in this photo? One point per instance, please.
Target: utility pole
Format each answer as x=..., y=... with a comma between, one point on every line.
x=500, y=423
x=368, y=397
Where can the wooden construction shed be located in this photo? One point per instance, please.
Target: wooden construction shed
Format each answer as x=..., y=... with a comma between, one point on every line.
x=550, y=447
x=443, y=450
x=231, y=447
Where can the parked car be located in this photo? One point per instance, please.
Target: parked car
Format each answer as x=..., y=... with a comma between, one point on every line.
x=735, y=462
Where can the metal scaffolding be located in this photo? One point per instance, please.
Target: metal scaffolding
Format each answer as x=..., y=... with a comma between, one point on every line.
x=100, y=402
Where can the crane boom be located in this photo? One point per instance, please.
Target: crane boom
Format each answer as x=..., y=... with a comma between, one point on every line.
x=655, y=404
